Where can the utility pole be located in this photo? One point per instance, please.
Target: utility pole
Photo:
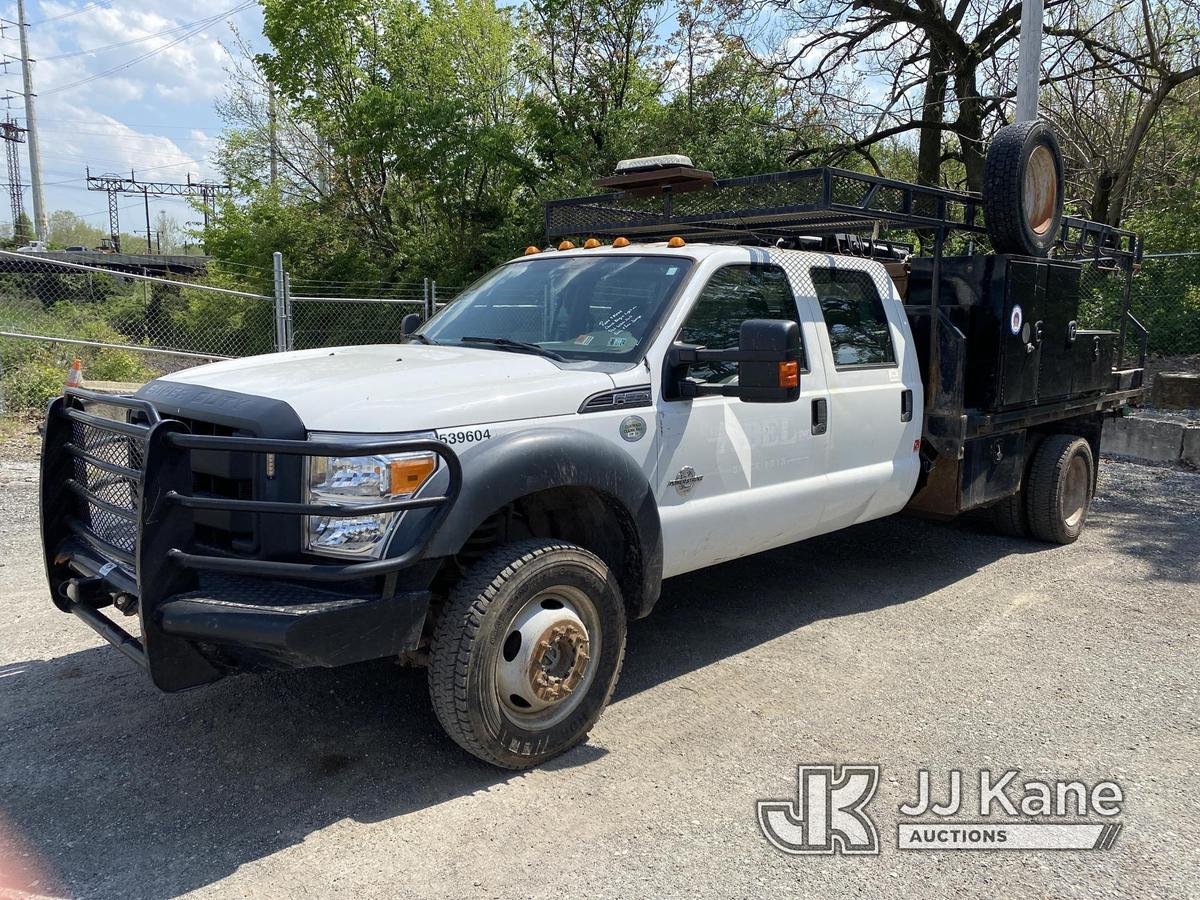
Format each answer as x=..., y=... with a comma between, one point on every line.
x=40, y=225
x=1029, y=61
x=273, y=134
x=322, y=167
x=146, y=197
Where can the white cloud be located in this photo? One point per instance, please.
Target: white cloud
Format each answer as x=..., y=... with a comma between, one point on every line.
x=154, y=115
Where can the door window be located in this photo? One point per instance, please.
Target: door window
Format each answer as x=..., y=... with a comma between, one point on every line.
x=732, y=295
x=854, y=317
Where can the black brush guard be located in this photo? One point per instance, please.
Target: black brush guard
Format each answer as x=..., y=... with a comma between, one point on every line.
x=117, y=529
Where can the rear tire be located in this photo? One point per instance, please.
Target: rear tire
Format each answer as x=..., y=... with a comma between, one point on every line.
x=1059, y=493
x=527, y=652
x=1009, y=516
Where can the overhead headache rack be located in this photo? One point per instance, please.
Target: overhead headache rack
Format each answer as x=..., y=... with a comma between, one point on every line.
x=820, y=201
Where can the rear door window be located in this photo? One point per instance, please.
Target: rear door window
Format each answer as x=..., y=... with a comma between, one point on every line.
x=854, y=316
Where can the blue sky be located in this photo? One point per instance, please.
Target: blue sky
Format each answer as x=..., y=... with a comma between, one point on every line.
x=147, y=105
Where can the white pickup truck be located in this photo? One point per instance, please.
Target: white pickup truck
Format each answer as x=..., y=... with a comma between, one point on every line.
x=499, y=493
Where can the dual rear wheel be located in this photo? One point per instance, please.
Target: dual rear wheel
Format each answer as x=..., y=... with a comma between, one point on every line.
x=1053, y=503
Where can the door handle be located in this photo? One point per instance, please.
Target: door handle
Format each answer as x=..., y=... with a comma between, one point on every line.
x=820, y=416
x=906, y=405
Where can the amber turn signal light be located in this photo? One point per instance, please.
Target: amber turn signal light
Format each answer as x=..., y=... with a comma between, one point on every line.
x=566, y=245
x=789, y=374
x=406, y=475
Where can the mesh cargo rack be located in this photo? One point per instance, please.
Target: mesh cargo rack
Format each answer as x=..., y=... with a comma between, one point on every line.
x=809, y=202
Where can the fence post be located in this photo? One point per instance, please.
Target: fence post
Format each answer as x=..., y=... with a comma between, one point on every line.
x=289, y=340
x=280, y=303
x=433, y=297
x=425, y=297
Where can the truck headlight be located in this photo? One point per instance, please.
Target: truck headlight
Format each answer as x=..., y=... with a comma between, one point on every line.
x=360, y=480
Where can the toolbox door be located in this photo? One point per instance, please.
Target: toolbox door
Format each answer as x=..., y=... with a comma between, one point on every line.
x=1060, y=309
x=1021, y=328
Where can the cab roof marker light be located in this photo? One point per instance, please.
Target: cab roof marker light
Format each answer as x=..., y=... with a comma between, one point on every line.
x=566, y=245
x=591, y=244
x=676, y=242
x=621, y=242
x=530, y=250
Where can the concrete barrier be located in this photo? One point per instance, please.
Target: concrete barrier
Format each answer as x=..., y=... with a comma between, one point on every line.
x=1152, y=440
x=1175, y=391
x=1191, y=446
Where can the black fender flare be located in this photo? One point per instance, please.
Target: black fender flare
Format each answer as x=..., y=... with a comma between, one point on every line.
x=517, y=465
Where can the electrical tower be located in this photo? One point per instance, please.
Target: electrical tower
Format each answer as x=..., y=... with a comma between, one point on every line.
x=13, y=135
x=116, y=185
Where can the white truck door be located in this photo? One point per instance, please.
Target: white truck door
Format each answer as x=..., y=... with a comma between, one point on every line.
x=735, y=478
x=875, y=394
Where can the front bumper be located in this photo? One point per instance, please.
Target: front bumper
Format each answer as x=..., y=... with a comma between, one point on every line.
x=204, y=614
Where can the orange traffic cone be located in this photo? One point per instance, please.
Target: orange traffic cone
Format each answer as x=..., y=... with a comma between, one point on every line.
x=74, y=374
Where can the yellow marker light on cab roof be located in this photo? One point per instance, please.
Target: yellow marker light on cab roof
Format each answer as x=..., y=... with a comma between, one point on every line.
x=591, y=244
x=530, y=250
x=676, y=241
x=566, y=245
x=621, y=242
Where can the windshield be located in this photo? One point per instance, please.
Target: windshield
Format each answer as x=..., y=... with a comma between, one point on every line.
x=601, y=307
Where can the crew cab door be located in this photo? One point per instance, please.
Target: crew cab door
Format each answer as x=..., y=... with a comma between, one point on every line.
x=874, y=390
x=735, y=478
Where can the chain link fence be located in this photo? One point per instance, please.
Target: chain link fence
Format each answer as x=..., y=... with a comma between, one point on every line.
x=129, y=326
x=326, y=314
x=124, y=323
x=1164, y=297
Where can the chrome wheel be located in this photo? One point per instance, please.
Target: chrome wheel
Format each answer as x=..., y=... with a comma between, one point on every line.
x=1075, y=491
x=544, y=665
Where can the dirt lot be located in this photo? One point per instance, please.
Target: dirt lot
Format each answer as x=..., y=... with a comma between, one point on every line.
x=904, y=643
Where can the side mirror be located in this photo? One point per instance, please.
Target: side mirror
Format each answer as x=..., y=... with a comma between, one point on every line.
x=410, y=323
x=776, y=377
x=768, y=358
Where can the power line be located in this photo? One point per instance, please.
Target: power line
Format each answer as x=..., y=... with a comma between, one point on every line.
x=67, y=15
x=140, y=40
x=147, y=54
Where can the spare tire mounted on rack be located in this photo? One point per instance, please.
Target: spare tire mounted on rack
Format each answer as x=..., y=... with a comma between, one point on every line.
x=1023, y=189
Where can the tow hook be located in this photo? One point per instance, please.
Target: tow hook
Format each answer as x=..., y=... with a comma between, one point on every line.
x=126, y=603
x=87, y=591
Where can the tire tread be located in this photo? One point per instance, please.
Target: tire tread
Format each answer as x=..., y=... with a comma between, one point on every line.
x=455, y=632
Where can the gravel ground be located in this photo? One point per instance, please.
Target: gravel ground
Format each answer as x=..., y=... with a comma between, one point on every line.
x=905, y=643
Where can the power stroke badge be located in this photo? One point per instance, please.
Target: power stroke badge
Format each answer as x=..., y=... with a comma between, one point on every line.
x=986, y=811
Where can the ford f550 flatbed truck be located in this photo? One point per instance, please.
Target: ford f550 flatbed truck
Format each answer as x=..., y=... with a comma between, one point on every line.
x=692, y=371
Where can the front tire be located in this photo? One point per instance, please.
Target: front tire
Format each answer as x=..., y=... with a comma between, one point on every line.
x=527, y=652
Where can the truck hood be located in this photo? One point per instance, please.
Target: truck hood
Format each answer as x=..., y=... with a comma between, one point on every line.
x=390, y=388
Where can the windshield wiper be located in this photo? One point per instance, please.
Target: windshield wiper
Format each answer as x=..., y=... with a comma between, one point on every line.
x=515, y=346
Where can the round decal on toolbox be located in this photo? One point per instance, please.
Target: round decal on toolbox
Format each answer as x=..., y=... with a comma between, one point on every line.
x=1015, y=320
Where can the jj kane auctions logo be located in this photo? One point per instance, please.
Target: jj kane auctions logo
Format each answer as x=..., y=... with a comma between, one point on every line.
x=829, y=813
